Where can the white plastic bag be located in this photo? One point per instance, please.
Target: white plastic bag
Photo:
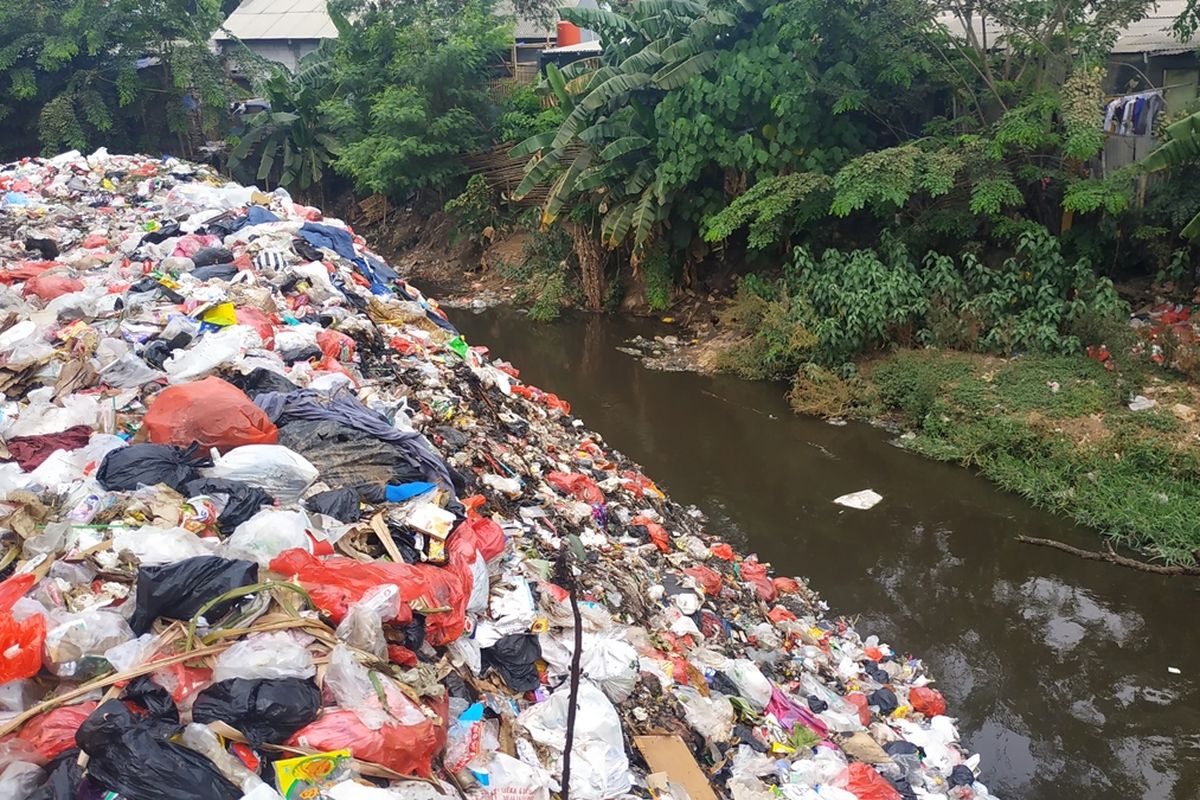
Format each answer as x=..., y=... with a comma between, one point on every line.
x=508, y=778
x=354, y=690
x=73, y=637
x=282, y=472
x=213, y=351
x=607, y=660
x=267, y=534
x=266, y=655
x=42, y=416
x=712, y=717
x=154, y=545
x=751, y=683
x=599, y=766
x=362, y=627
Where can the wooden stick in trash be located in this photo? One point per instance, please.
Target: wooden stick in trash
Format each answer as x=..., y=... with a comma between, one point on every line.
x=566, y=579
x=84, y=689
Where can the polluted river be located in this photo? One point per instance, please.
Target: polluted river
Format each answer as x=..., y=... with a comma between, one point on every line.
x=1062, y=672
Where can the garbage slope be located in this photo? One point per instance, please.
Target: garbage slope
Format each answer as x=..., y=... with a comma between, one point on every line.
x=271, y=527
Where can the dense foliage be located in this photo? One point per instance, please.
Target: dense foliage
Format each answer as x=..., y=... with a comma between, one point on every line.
x=835, y=308
x=412, y=94
x=85, y=73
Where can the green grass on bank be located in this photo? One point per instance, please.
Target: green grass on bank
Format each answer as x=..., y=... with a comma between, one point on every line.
x=1055, y=429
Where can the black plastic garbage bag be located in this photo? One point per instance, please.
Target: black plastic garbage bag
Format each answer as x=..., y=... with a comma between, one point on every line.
x=179, y=590
x=65, y=775
x=242, y=501
x=207, y=256
x=515, y=657
x=261, y=380
x=885, y=699
x=152, y=697
x=341, y=504
x=161, y=235
x=221, y=271
x=134, y=757
x=346, y=456
x=127, y=468
x=266, y=711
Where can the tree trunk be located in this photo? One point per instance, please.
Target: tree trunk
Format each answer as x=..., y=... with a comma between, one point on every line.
x=591, y=265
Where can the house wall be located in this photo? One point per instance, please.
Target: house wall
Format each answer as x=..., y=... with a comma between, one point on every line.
x=283, y=51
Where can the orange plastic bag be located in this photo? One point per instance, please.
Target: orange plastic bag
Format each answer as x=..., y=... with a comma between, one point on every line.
x=48, y=287
x=709, y=580
x=722, y=551
x=866, y=784
x=755, y=574
x=20, y=642
x=336, y=344
x=212, y=412
x=927, y=701
x=785, y=585
x=657, y=533
x=336, y=583
x=254, y=318
x=859, y=701
x=408, y=749
x=581, y=487
x=53, y=733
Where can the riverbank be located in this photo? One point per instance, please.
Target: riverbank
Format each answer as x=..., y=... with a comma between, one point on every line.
x=1058, y=430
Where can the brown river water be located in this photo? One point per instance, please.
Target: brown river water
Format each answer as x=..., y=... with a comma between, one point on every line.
x=1056, y=668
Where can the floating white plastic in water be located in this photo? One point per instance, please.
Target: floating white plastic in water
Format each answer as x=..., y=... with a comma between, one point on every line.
x=1175, y=670
x=863, y=500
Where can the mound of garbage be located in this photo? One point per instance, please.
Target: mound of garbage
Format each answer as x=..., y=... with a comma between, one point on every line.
x=271, y=528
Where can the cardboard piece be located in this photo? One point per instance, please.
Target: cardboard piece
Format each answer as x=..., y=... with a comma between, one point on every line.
x=670, y=755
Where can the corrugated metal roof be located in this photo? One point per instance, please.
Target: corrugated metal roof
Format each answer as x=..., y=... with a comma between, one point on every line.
x=1151, y=34
x=307, y=19
x=279, y=19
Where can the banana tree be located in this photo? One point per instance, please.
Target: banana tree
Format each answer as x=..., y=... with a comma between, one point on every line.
x=604, y=152
x=290, y=142
x=1181, y=148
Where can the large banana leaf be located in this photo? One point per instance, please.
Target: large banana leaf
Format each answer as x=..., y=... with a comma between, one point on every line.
x=537, y=171
x=675, y=76
x=649, y=56
x=645, y=214
x=613, y=88
x=680, y=8
x=564, y=187
x=623, y=146
x=558, y=87
x=596, y=19
x=539, y=141
x=616, y=224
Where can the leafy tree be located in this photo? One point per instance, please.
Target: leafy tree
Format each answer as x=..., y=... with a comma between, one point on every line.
x=293, y=147
x=1182, y=148
x=82, y=73
x=411, y=98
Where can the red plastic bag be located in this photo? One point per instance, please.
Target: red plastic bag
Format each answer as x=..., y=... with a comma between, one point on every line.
x=53, y=733
x=780, y=614
x=859, y=701
x=336, y=344
x=866, y=784
x=95, y=241
x=581, y=487
x=254, y=318
x=408, y=749
x=336, y=583
x=785, y=585
x=709, y=580
x=658, y=534
x=722, y=551
x=927, y=701
x=212, y=412
x=48, y=287
x=25, y=271
x=482, y=534
x=755, y=574
x=20, y=642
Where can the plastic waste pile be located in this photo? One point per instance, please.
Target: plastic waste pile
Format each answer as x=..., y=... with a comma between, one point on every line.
x=271, y=528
